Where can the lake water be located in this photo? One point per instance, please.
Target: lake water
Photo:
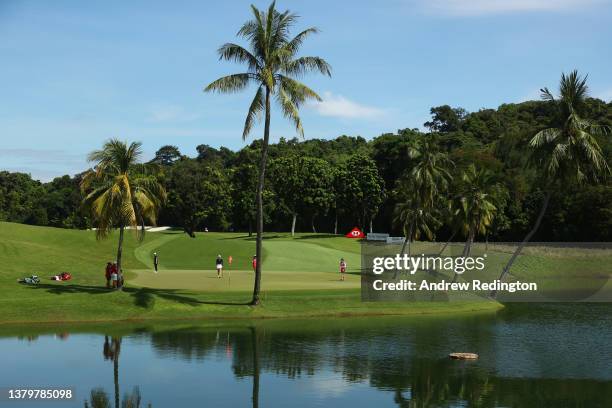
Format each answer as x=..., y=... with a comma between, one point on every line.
x=530, y=356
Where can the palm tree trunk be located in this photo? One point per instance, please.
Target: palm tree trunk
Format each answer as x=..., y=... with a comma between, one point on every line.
x=407, y=240
x=250, y=228
x=525, y=240
x=119, y=253
x=371, y=226
x=336, y=224
x=293, y=224
x=467, y=249
x=260, y=187
x=447, y=242
x=312, y=223
x=406, y=243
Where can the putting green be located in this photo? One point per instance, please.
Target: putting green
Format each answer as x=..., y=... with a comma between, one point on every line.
x=240, y=280
x=282, y=252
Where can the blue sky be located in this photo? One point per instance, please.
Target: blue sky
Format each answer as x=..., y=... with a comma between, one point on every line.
x=76, y=73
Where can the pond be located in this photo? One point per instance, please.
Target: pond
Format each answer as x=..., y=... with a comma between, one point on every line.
x=549, y=355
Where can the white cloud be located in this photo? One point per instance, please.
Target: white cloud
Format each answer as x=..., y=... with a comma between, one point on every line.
x=341, y=107
x=485, y=7
x=171, y=113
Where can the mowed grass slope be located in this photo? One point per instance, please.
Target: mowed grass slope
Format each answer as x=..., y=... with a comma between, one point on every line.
x=300, y=278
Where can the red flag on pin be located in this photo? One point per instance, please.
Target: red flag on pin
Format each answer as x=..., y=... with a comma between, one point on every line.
x=355, y=233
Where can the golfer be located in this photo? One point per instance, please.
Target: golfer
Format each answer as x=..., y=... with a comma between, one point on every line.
x=219, y=263
x=342, y=268
x=155, y=261
x=115, y=275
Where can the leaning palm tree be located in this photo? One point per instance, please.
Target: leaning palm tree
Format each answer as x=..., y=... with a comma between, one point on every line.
x=568, y=152
x=272, y=66
x=120, y=192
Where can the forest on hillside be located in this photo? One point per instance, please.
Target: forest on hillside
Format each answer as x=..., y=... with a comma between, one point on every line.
x=330, y=186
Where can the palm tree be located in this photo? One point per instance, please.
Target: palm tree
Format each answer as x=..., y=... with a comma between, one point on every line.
x=414, y=221
x=121, y=192
x=431, y=173
x=568, y=152
x=422, y=189
x=475, y=206
x=272, y=65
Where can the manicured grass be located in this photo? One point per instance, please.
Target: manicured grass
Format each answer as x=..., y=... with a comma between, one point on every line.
x=302, y=253
x=233, y=280
x=300, y=278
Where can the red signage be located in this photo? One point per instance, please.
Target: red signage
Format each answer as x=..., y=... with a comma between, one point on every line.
x=355, y=233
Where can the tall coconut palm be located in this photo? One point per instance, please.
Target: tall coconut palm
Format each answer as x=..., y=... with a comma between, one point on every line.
x=421, y=190
x=415, y=220
x=568, y=152
x=121, y=192
x=272, y=66
x=431, y=174
x=475, y=206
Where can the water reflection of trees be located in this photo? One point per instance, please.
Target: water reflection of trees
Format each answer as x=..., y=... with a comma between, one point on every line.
x=98, y=398
x=398, y=360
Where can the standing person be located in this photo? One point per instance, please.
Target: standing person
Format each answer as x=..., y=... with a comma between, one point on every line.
x=155, y=261
x=229, y=260
x=114, y=275
x=107, y=273
x=254, y=262
x=342, y=268
x=219, y=264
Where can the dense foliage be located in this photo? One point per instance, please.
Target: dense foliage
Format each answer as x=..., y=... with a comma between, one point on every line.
x=352, y=181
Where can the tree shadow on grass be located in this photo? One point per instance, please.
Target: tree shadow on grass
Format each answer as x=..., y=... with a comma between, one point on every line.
x=254, y=238
x=143, y=297
x=317, y=236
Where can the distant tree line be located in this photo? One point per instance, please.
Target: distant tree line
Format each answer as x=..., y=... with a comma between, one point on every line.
x=333, y=185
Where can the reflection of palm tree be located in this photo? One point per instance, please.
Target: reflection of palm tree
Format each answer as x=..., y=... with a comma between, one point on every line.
x=99, y=399
x=111, y=352
x=116, y=379
x=255, y=394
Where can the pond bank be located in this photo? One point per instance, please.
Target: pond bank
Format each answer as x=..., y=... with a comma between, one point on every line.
x=77, y=304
